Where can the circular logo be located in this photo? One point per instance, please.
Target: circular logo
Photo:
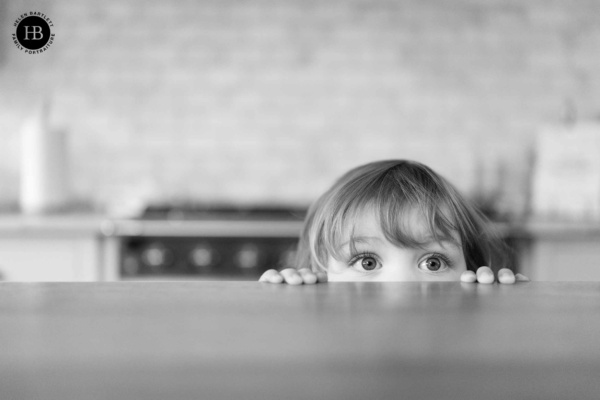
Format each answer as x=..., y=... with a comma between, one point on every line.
x=33, y=32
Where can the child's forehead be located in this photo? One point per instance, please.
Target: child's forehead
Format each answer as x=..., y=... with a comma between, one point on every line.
x=367, y=223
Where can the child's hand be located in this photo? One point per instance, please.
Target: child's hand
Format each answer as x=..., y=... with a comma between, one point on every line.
x=485, y=275
x=293, y=276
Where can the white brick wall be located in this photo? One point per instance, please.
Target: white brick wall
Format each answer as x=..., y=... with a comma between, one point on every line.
x=271, y=100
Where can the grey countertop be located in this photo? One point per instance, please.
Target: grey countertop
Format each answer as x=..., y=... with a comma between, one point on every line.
x=215, y=340
x=61, y=224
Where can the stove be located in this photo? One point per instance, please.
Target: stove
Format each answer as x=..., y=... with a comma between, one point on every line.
x=208, y=242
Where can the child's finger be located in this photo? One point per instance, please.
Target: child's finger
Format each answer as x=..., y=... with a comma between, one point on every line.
x=485, y=275
x=468, y=277
x=506, y=276
x=291, y=276
x=521, y=278
x=271, y=276
x=308, y=277
x=321, y=277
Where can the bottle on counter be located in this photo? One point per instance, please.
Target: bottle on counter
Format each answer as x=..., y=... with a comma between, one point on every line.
x=43, y=164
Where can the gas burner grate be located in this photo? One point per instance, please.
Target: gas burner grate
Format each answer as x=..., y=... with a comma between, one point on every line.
x=222, y=212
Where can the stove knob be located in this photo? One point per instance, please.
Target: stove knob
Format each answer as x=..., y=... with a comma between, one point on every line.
x=156, y=256
x=131, y=265
x=203, y=256
x=247, y=256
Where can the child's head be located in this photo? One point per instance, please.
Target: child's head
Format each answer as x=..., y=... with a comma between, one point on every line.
x=394, y=214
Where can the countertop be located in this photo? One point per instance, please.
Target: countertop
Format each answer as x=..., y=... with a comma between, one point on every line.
x=229, y=340
x=12, y=225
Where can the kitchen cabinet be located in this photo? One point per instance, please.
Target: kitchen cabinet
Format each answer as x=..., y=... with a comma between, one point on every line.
x=48, y=259
x=51, y=249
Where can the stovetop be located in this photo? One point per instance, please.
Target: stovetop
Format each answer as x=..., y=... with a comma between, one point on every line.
x=222, y=212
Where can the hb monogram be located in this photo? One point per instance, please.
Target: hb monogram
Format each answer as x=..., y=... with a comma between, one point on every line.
x=33, y=34
x=35, y=31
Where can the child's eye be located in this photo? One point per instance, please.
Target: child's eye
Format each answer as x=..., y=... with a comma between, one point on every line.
x=434, y=263
x=365, y=262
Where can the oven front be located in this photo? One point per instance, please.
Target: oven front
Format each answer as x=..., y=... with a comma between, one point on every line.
x=217, y=247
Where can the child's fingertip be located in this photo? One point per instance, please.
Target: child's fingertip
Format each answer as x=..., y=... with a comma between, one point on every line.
x=468, y=277
x=485, y=275
x=265, y=277
x=506, y=276
x=309, y=279
x=293, y=279
x=521, y=278
x=506, y=280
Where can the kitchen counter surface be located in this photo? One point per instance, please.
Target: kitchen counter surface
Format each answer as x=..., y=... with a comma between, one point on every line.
x=95, y=224
x=229, y=340
x=98, y=224
x=56, y=224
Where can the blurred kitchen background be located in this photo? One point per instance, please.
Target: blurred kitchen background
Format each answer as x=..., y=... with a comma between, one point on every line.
x=160, y=139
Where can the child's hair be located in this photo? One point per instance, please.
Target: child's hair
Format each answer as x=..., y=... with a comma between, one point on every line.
x=393, y=189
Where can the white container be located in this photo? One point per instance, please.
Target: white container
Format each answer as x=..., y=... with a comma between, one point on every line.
x=43, y=165
x=566, y=177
